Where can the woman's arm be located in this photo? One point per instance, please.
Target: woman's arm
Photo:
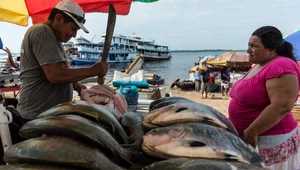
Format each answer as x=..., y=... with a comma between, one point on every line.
x=282, y=93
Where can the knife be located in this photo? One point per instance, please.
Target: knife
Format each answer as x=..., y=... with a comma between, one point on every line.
x=111, y=21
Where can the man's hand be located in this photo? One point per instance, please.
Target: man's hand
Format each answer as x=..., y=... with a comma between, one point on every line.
x=78, y=87
x=100, y=68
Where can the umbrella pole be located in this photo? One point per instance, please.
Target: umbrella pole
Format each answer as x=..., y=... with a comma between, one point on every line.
x=5, y=118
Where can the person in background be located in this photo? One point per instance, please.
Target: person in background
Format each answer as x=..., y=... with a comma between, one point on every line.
x=46, y=79
x=212, y=78
x=225, y=80
x=205, y=78
x=262, y=100
x=211, y=82
x=197, y=79
x=11, y=62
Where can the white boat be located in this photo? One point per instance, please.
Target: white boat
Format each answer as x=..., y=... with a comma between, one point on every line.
x=123, y=49
x=146, y=48
x=84, y=52
x=153, y=52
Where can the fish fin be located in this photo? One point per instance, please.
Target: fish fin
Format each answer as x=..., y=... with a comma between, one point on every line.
x=197, y=144
x=230, y=157
x=181, y=109
x=227, y=156
x=193, y=143
x=206, y=119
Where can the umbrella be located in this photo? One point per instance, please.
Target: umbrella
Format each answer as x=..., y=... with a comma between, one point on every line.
x=294, y=39
x=18, y=11
x=233, y=58
x=202, y=63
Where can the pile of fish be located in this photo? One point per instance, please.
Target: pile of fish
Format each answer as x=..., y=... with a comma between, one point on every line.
x=176, y=134
x=190, y=135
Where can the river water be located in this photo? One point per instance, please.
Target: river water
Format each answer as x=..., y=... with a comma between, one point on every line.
x=170, y=70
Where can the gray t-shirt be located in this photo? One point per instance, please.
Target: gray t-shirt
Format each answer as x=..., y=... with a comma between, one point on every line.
x=39, y=47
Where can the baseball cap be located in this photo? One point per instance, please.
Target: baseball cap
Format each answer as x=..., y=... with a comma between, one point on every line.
x=73, y=10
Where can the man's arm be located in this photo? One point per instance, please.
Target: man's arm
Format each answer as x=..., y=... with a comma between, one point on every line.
x=58, y=73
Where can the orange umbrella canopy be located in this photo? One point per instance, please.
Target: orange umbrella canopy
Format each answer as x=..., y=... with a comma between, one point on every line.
x=18, y=11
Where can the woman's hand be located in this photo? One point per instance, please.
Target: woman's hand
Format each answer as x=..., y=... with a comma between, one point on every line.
x=251, y=137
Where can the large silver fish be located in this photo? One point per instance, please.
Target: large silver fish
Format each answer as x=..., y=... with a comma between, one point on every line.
x=161, y=102
x=58, y=150
x=194, y=164
x=198, y=140
x=76, y=127
x=187, y=112
x=94, y=112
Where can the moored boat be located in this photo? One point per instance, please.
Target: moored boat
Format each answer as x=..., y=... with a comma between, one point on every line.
x=85, y=52
x=154, y=81
x=146, y=48
x=153, y=52
x=184, y=85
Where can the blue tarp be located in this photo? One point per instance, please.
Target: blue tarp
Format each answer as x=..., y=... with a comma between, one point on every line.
x=139, y=84
x=294, y=39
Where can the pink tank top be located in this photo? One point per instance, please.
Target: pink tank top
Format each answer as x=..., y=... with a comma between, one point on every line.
x=250, y=97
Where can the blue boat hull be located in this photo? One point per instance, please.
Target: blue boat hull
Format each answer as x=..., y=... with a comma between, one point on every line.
x=91, y=62
x=83, y=62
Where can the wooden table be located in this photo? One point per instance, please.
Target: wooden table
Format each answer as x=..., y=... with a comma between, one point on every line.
x=10, y=83
x=14, y=89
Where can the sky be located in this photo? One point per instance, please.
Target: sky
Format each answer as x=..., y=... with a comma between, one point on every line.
x=186, y=24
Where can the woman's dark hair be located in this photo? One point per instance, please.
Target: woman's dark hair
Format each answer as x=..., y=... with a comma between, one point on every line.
x=56, y=11
x=271, y=38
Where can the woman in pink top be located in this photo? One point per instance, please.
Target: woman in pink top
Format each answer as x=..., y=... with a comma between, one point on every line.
x=262, y=100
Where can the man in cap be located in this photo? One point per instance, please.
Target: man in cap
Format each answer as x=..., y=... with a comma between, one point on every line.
x=46, y=79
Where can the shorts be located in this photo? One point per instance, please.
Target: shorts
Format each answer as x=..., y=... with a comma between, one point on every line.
x=225, y=85
x=205, y=87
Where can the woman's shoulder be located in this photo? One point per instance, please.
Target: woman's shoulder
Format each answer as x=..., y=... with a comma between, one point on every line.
x=280, y=59
x=283, y=62
x=281, y=65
